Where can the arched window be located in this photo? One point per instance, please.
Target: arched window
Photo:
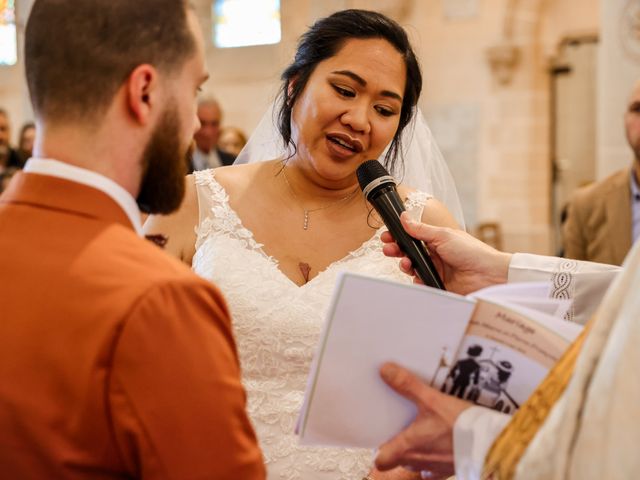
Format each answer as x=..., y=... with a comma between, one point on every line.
x=8, y=48
x=241, y=23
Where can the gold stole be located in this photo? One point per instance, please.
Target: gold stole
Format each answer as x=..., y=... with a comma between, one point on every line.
x=503, y=458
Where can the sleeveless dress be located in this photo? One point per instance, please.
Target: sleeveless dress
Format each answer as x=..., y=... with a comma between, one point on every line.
x=277, y=325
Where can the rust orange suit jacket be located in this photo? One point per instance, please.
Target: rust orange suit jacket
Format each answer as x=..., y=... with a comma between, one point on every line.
x=116, y=361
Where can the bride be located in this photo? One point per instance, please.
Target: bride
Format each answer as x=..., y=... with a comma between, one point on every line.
x=273, y=233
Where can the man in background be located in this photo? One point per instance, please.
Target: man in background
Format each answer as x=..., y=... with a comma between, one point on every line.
x=603, y=219
x=9, y=158
x=207, y=154
x=25, y=141
x=115, y=360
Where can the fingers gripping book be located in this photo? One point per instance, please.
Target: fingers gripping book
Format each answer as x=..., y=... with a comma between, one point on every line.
x=491, y=348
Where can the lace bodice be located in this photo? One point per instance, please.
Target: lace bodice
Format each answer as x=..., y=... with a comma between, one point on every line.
x=277, y=325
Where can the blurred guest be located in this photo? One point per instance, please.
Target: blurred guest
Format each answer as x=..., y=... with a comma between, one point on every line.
x=231, y=141
x=603, y=219
x=25, y=141
x=207, y=154
x=8, y=156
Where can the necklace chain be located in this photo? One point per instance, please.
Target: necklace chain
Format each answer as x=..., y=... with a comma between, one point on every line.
x=307, y=211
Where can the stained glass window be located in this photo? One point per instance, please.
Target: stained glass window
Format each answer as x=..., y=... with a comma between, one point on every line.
x=8, y=43
x=241, y=23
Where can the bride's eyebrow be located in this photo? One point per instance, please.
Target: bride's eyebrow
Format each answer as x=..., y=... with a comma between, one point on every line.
x=363, y=83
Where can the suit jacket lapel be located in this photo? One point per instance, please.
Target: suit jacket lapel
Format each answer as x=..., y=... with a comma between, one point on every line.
x=618, y=204
x=64, y=195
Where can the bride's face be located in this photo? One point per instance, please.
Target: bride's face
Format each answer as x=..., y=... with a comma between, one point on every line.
x=350, y=108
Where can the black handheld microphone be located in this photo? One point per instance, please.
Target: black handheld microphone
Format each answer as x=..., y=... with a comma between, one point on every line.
x=379, y=189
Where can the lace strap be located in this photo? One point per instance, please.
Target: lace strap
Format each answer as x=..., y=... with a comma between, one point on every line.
x=216, y=215
x=210, y=193
x=416, y=201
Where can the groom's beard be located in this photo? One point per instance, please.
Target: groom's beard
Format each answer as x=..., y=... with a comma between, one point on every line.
x=165, y=165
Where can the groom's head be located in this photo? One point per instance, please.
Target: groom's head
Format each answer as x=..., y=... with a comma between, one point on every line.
x=129, y=68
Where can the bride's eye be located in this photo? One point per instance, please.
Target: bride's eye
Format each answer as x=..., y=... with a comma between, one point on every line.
x=385, y=111
x=343, y=91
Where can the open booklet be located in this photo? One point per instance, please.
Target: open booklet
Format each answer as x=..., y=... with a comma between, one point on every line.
x=492, y=348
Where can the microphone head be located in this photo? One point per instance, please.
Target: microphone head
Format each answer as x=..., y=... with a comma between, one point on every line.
x=372, y=174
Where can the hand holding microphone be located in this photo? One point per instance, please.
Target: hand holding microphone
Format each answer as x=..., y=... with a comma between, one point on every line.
x=465, y=262
x=379, y=189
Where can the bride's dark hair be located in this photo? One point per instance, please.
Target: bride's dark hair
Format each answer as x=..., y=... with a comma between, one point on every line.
x=323, y=40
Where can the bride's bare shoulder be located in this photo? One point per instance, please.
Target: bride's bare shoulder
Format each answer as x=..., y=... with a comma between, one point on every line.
x=404, y=191
x=237, y=178
x=435, y=212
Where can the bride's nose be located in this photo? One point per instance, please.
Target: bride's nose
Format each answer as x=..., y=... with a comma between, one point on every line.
x=357, y=117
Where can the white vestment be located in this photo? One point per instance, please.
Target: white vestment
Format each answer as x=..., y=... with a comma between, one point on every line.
x=586, y=284
x=593, y=431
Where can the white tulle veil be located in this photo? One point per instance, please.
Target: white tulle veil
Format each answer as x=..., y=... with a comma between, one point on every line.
x=420, y=166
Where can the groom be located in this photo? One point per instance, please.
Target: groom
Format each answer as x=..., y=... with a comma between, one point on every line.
x=115, y=360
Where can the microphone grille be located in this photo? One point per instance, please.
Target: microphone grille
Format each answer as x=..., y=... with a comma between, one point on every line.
x=369, y=171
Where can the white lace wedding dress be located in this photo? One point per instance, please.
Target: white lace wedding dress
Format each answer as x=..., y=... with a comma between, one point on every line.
x=277, y=325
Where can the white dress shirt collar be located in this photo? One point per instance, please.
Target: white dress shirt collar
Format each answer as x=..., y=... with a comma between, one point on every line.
x=55, y=168
x=203, y=161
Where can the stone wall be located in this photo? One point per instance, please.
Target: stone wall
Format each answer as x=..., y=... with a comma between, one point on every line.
x=618, y=71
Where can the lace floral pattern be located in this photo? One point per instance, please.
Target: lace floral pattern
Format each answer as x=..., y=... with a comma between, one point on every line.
x=563, y=284
x=277, y=325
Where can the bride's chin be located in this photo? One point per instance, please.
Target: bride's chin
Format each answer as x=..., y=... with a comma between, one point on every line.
x=338, y=178
x=338, y=168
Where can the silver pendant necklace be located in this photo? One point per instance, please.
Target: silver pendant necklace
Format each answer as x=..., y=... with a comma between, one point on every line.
x=308, y=211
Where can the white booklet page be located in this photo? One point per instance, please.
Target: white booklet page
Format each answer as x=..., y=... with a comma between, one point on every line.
x=372, y=321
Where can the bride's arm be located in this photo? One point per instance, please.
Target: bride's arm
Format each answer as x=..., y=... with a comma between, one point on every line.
x=435, y=213
x=177, y=230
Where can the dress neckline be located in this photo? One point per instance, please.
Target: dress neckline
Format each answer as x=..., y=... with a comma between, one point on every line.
x=222, y=199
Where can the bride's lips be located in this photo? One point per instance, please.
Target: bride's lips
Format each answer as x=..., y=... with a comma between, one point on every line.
x=344, y=145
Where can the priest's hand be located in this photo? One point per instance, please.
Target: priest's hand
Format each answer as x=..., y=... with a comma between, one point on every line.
x=426, y=445
x=464, y=263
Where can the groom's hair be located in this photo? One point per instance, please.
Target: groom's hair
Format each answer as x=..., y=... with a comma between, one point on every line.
x=79, y=52
x=324, y=39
